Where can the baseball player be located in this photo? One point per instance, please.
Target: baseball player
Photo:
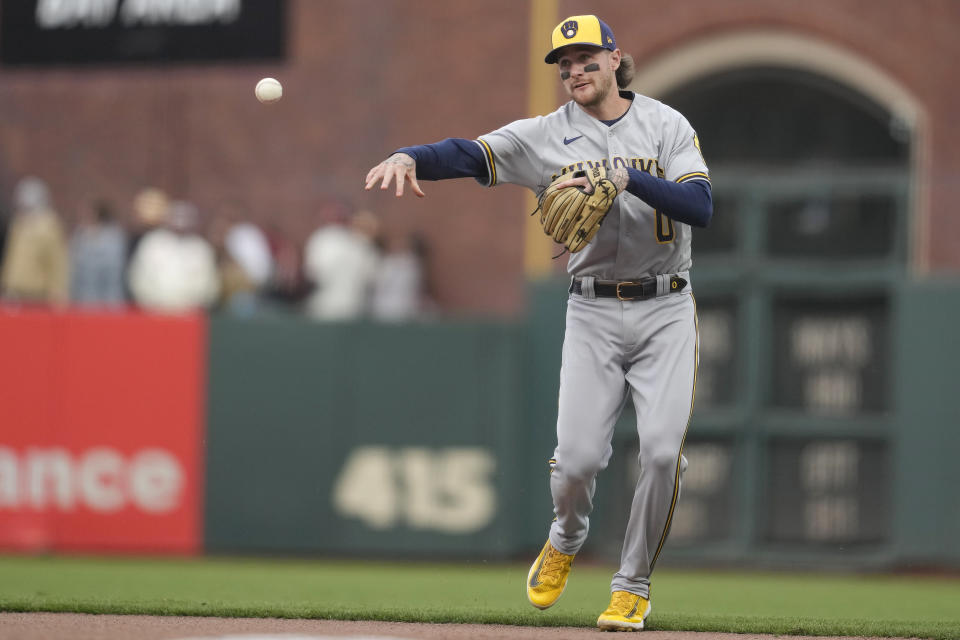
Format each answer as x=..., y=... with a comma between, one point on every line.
x=631, y=326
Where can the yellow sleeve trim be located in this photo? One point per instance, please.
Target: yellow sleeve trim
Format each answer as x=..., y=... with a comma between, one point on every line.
x=696, y=175
x=490, y=163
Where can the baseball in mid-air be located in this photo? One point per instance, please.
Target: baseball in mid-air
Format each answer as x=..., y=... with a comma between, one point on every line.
x=268, y=90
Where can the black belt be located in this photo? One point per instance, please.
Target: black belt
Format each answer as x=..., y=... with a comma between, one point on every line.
x=642, y=289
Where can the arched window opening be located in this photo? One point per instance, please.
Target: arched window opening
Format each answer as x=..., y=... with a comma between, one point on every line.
x=784, y=118
x=804, y=167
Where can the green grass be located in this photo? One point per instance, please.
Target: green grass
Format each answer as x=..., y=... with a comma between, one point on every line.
x=779, y=603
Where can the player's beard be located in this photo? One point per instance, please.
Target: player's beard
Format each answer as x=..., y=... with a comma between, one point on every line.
x=603, y=87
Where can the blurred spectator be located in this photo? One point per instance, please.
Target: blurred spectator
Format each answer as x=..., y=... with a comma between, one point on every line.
x=248, y=246
x=398, y=289
x=174, y=268
x=149, y=211
x=98, y=256
x=238, y=291
x=340, y=259
x=4, y=223
x=36, y=262
x=150, y=207
x=287, y=286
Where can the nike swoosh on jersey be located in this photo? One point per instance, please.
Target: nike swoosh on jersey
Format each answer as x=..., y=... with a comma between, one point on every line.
x=567, y=140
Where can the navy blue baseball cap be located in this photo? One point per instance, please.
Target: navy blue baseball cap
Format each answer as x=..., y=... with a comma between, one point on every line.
x=583, y=30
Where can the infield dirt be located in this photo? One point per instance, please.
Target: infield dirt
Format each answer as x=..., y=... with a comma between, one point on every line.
x=73, y=626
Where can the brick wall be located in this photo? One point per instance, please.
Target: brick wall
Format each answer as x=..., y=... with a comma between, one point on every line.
x=914, y=42
x=366, y=76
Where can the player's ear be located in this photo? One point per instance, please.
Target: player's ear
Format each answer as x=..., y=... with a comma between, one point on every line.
x=615, y=57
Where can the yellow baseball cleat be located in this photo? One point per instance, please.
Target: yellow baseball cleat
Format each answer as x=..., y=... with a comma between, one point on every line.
x=548, y=577
x=626, y=612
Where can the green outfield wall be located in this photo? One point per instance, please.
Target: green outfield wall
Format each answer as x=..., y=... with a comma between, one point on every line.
x=364, y=438
x=432, y=439
x=927, y=490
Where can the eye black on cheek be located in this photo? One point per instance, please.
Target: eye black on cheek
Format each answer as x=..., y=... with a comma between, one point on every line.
x=564, y=75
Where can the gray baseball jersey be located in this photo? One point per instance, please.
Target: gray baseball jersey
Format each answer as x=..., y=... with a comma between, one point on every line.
x=615, y=350
x=634, y=240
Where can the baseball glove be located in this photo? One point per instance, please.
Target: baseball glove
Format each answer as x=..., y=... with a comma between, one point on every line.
x=572, y=215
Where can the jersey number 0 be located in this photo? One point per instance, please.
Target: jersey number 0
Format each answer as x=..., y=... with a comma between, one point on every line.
x=665, y=230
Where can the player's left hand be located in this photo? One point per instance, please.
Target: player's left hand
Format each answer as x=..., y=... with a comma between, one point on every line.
x=583, y=183
x=572, y=217
x=619, y=177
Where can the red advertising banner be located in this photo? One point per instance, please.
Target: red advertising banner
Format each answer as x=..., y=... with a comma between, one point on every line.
x=101, y=428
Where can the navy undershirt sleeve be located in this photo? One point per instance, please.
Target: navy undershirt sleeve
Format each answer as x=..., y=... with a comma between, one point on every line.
x=688, y=202
x=450, y=158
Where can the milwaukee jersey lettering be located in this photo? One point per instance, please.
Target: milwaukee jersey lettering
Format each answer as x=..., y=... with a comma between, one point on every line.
x=634, y=240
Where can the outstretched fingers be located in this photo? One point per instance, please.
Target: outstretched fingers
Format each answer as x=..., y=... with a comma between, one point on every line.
x=399, y=168
x=395, y=173
x=380, y=172
x=372, y=176
x=412, y=177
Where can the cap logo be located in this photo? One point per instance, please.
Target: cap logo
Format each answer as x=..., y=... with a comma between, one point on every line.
x=569, y=29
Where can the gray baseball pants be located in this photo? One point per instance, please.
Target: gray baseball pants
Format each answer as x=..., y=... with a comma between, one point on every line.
x=612, y=349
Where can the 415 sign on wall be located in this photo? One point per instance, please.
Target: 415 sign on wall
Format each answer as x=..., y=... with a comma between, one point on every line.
x=448, y=490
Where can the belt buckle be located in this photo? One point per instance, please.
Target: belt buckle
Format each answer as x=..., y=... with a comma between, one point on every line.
x=620, y=297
